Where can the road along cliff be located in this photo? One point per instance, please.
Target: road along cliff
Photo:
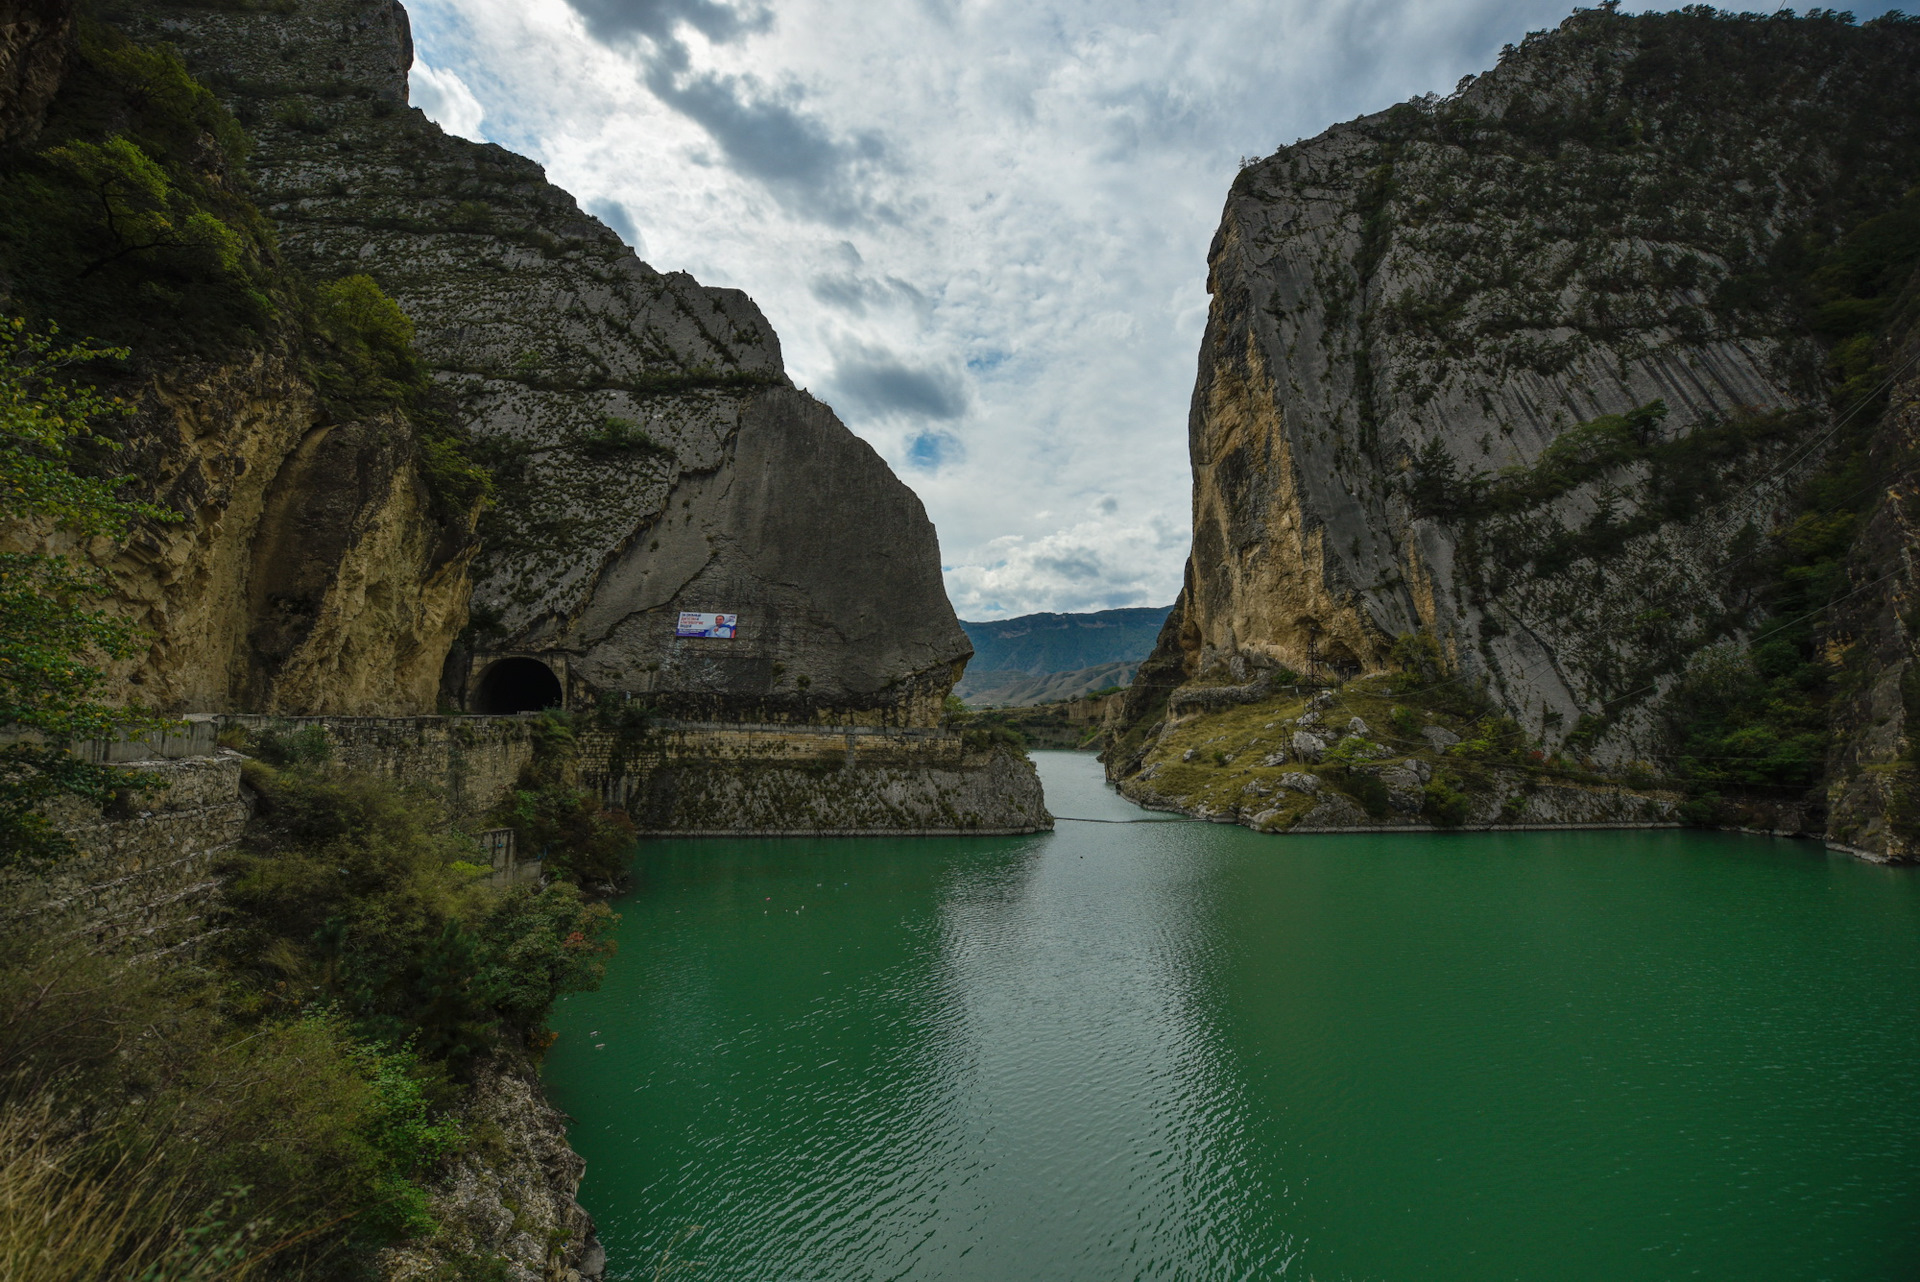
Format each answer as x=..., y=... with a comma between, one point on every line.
x=436, y=439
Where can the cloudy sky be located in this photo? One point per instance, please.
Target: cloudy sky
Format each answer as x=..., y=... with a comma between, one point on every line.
x=979, y=226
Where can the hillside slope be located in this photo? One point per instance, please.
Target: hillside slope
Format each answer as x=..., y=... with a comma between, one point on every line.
x=1019, y=690
x=1042, y=643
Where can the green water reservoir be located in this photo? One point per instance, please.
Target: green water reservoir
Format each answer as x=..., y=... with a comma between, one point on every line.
x=1179, y=1050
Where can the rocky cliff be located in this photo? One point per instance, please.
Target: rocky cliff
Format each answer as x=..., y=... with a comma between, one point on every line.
x=1873, y=766
x=313, y=562
x=1529, y=372
x=33, y=50
x=650, y=454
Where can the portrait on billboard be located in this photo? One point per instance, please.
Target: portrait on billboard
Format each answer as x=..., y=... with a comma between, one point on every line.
x=693, y=623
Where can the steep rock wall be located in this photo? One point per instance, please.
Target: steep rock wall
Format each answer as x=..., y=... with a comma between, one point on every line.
x=310, y=566
x=33, y=47
x=647, y=439
x=1411, y=304
x=1873, y=767
x=310, y=572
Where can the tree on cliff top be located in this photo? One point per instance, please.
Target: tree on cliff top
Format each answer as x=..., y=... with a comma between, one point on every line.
x=50, y=636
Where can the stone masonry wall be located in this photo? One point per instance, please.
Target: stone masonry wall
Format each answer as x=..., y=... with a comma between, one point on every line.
x=773, y=780
x=713, y=778
x=142, y=874
x=472, y=762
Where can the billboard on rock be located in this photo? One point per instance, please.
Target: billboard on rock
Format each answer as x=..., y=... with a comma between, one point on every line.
x=695, y=624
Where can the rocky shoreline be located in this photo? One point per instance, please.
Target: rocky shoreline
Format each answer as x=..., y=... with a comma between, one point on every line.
x=510, y=1198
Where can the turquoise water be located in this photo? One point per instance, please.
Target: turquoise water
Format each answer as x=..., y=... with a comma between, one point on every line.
x=1183, y=1050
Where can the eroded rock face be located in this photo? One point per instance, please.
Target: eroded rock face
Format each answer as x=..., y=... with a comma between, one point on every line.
x=653, y=456
x=33, y=45
x=1873, y=766
x=310, y=568
x=506, y=1205
x=310, y=571
x=1445, y=290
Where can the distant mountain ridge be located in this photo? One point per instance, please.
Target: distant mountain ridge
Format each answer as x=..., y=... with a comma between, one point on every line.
x=1040, y=658
x=1019, y=690
x=1037, y=644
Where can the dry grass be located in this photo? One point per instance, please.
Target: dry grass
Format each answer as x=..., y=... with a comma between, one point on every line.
x=67, y=1214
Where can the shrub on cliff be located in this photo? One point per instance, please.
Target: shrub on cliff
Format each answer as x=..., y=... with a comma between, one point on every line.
x=285, y=1098
x=192, y=1142
x=133, y=220
x=559, y=821
x=130, y=220
x=351, y=893
x=49, y=451
x=365, y=362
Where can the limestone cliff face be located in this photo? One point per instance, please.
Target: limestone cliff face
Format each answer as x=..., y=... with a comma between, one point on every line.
x=310, y=568
x=309, y=574
x=1414, y=313
x=653, y=456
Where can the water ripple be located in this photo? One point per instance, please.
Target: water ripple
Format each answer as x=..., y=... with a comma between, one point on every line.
x=1183, y=1051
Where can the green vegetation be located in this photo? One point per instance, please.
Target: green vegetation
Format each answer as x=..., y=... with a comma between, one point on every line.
x=199, y=1159
x=1631, y=183
x=1065, y=723
x=1754, y=716
x=130, y=219
x=615, y=437
x=1505, y=532
x=277, y=1100
x=289, y=1098
x=985, y=731
x=1745, y=718
x=1393, y=771
x=351, y=892
x=365, y=362
x=48, y=626
x=555, y=818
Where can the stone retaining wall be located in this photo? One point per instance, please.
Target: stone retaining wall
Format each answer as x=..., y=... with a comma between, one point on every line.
x=707, y=777
x=142, y=871
x=144, y=864
x=470, y=761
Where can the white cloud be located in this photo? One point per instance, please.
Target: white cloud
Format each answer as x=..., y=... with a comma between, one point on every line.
x=979, y=226
x=1098, y=563
x=446, y=100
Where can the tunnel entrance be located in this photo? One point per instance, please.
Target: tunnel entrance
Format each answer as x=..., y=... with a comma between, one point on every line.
x=517, y=685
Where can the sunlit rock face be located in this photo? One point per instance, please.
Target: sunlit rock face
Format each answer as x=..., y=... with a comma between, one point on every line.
x=1415, y=313
x=652, y=455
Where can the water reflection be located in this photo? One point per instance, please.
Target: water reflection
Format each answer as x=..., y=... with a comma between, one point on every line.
x=1105, y=1134
x=1181, y=1050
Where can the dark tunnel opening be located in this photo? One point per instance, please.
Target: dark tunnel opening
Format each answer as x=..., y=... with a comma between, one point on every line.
x=517, y=685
